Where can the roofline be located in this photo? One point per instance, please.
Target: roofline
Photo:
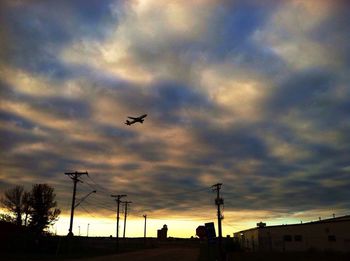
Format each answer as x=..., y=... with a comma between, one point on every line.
x=328, y=220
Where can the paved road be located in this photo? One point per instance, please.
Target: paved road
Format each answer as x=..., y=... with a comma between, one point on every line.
x=157, y=254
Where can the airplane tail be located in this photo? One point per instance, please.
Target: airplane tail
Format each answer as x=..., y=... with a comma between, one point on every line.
x=127, y=122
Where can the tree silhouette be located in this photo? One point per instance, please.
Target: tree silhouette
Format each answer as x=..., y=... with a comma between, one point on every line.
x=43, y=211
x=6, y=218
x=26, y=208
x=12, y=201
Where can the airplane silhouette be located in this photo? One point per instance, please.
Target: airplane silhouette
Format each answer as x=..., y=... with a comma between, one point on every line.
x=135, y=119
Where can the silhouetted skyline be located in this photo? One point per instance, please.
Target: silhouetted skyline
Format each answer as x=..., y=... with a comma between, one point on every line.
x=251, y=95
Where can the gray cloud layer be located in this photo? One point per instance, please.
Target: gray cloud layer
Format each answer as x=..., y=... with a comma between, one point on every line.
x=232, y=101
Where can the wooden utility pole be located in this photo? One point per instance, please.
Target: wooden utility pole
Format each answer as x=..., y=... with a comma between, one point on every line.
x=218, y=202
x=117, y=199
x=144, y=231
x=75, y=177
x=125, y=214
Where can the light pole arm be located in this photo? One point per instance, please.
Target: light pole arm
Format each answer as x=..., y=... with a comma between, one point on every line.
x=76, y=205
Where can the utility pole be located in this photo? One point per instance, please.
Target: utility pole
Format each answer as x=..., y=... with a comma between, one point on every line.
x=144, y=232
x=75, y=177
x=117, y=199
x=125, y=214
x=87, y=232
x=218, y=202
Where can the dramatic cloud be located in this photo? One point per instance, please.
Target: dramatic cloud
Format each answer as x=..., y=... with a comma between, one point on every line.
x=253, y=95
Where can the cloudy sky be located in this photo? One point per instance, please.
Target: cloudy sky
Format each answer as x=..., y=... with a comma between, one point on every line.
x=252, y=94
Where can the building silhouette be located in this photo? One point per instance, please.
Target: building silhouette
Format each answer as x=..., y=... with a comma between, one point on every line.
x=322, y=235
x=162, y=233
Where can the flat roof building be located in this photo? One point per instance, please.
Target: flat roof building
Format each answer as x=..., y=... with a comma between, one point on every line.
x=329, y=234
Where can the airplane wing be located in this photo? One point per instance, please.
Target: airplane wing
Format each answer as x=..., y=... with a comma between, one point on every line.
x=133, y=118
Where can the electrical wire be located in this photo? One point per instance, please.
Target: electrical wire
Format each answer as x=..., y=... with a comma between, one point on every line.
x=163, y=194
x=182, y=220
x=229, y=225
x=98, y=185
x=100, y=206
x=103, y=199
x=88, y=212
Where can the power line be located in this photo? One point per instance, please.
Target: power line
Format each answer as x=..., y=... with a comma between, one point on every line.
x=163, y=194
x=87, y=211
x=229, y=225
x=99, y=199
x=175, y=193
x=91, y=186
x=186, y=191
x=166, y=195
x=97, y=205
x=102, y=187
x=90, y=214
x=182, y=220
x=102, y=199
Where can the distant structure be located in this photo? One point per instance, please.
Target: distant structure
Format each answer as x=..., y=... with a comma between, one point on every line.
x=322, y=235
x=201, y=233
x=210, y=231
x=162, y=233
x=206, y=232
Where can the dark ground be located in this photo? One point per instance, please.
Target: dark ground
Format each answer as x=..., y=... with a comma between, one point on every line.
x=135, y=249
x=304, y=256
x=165, y=253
